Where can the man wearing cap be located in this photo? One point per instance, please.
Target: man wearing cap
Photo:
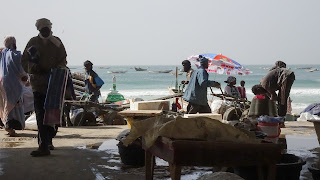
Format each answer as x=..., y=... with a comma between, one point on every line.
x=187, y=68
x=93, y=82
x=231, y=89
x=196, y=92
x=42, y=53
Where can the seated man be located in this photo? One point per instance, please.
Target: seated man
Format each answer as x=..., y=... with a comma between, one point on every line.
x=261, y=103
x=231, y=89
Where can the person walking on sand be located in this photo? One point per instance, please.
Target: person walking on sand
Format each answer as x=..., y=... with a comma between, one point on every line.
x=12, y=80
x=93, y=82
x=187, y=68
x=242, y=90
x=42, y=54
x=196, y=92
x=279, y=79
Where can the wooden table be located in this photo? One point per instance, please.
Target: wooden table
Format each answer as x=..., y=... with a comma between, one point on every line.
x=210, y=153
x=316, y=124
x=134, y=115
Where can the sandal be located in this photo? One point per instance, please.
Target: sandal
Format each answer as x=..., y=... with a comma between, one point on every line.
x=11, y=132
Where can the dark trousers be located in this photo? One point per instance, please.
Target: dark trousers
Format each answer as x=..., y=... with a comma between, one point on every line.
x=45, y=132
x=196, y=108
x=282, y=108
x=94, y=98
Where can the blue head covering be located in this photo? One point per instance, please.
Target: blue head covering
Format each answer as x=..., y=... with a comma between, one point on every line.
x=203, y=59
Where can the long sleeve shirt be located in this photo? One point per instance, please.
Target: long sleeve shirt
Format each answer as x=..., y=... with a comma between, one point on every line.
x=196, y=91
x=50, y=56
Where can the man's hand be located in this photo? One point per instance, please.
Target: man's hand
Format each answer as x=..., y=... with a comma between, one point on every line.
x=218, y=85
x=24, y=78
x=184, y=82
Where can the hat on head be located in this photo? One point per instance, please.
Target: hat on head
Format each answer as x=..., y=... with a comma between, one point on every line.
x=43, y=22
x=203, y=59
x=87, y=62
x=230, y=79
x=281, y=64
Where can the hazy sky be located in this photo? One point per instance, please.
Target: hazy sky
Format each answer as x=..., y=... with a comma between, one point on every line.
x=165, y=32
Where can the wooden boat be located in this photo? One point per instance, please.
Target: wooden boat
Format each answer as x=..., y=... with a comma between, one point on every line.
x=179, y=73
x=139, y=69
x=116, y=72
x=165, y=71
x=312, y=69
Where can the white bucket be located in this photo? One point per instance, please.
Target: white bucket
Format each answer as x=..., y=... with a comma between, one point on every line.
x=271, y=129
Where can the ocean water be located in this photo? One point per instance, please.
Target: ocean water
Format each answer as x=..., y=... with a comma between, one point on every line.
x=148, y=86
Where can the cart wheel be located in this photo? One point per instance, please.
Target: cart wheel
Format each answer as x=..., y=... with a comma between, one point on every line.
x=87, y=119
x=232, y=113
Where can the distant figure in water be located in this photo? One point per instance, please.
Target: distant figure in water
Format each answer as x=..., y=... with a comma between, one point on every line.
x=93, y=82
x=196, y=91
x=187, y=68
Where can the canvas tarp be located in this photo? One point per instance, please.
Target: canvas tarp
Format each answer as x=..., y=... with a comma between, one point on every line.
x=200, y=128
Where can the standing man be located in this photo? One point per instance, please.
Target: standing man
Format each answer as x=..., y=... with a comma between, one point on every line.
x=13, y=78
x=279, y=79
x=93, y=82
x=196, y=92
x=187, y=68
x=42, y=53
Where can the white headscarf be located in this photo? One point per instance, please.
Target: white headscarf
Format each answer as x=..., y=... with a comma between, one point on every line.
x=42, y=23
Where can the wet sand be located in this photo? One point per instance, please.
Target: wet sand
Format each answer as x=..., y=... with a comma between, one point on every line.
x=91, y=153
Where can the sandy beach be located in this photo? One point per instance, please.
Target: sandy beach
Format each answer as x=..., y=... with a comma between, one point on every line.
x=91, y=153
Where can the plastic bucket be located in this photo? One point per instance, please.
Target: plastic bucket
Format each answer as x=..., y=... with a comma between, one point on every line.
x=271, y=129
x=288, y=168
x=314, y=169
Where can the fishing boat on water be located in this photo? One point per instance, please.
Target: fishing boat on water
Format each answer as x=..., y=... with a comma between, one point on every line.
x=116, y=72
x=179, y=73
x=312, y=69
x=164, y=71
x=139, y=69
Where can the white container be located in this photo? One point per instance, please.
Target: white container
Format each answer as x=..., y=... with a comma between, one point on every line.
x=271, y=129
x=150, y=105
x=208, y=115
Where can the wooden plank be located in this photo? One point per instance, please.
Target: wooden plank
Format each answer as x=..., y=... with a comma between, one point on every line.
x=141, y=112
x=170, y=96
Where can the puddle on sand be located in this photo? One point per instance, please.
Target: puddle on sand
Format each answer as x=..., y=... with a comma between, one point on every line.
x=109, y=146
x=305, y=147
x=300, y=145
